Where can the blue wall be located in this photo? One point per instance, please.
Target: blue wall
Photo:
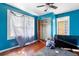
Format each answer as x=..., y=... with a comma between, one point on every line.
x=4, y=43
x=52, y=17
x=74, y=21
x=3, y=28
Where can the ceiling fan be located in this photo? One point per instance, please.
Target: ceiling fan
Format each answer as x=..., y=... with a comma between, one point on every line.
x=49, y=5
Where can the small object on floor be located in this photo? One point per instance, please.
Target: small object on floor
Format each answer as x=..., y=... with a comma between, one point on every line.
x=50, y=43
x=52, y=47
x=75, y=50
x=56, y=51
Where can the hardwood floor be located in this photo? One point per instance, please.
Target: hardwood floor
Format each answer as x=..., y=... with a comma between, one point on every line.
x=27, y=50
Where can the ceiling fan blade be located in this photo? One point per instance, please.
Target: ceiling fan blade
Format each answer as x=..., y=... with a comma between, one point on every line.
x=41, y=6
x=52, y=6
x=49, y=3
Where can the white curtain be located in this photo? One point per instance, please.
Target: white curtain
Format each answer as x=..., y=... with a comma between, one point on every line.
x=29, y=21
x=20, y=25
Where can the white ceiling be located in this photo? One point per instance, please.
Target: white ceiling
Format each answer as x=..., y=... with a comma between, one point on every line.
x=31, y=7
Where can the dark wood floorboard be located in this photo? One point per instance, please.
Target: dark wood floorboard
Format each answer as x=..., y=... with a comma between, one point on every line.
x=26, y=50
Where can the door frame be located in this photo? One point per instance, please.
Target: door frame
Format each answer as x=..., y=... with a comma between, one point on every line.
x=38, y=27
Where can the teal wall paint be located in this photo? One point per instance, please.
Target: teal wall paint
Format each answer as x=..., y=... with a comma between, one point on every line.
x=3, y=28
x=4, y=43
x=17, y=10
x=54, y=26
x=36, y=18
x=74, y=21
x=52, y=17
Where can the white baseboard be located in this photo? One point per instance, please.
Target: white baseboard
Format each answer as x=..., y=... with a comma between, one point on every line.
x=16, y=46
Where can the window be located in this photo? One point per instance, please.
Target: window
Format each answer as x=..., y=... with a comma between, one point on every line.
x=19, y=25
x=63, y=25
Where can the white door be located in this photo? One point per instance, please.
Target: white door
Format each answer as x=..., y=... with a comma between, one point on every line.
x=45, y=29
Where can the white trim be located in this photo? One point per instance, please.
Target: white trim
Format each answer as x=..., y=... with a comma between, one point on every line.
x=54, y=27
x=17, y=46
x=65, y=18
x=8, y=24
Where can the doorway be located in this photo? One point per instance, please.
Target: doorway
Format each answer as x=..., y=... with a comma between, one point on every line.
x=44, y=29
